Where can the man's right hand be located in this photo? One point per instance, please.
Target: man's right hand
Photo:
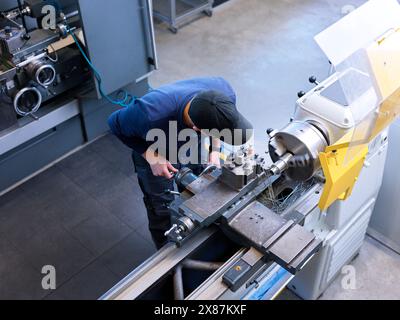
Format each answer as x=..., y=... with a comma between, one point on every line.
x=160, y=166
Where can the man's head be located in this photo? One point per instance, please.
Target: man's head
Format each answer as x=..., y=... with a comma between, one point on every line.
x=212, y=110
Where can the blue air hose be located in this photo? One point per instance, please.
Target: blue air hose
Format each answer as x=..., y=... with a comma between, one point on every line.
x=126, y=100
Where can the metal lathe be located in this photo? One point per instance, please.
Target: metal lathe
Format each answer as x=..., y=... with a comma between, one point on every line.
x=252, y=228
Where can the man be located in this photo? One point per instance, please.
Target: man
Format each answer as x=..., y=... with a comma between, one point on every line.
x=200, y=104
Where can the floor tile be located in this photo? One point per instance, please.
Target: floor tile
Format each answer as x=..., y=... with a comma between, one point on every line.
x=18, y=279
x=100, y=233
x=56, y=247
x=90, y=284
x=127, y=255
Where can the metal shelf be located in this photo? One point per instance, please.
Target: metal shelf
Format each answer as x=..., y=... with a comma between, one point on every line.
x=178, y=12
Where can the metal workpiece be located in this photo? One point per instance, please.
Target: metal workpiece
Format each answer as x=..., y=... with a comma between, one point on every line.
x=304, y=141
x=281, y=165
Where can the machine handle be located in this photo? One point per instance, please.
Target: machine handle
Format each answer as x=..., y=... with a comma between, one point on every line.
x=149, y=9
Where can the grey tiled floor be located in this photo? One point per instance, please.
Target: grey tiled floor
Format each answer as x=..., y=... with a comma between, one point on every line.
x=82, y=217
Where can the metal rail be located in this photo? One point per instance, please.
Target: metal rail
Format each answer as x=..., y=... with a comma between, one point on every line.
x=165, y=260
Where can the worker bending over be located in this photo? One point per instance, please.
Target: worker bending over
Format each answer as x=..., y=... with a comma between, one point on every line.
x=206, y=106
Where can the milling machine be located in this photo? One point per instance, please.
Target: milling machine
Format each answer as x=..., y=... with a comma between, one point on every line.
x=296, y=222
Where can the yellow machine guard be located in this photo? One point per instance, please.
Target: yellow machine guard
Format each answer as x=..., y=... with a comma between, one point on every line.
x=384, y=59
x=340, y=175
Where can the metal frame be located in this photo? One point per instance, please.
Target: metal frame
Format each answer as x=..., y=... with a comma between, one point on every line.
x=174, y=20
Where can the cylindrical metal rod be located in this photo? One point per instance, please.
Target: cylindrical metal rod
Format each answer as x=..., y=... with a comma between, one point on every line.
x=149, y=8
x=22, y=16
x=201, y=265
x=178, y=284
x=281, y=165
x=71, y=14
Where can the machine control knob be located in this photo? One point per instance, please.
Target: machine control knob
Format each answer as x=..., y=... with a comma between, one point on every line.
x=313, y=80
x=301, y=94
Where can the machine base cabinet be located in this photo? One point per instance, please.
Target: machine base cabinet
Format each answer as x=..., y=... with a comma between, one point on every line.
x=346, y=223
x=385, y=220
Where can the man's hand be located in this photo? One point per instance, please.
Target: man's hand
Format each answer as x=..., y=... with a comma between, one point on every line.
x=215, y=156
x=214, y=159
x=160, y=167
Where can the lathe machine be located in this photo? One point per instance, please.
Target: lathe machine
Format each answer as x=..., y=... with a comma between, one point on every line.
x=252, y=228
x=271, y=216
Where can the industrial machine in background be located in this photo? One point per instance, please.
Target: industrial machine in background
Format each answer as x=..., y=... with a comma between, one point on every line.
x=62, y=67
x=31, y=74
x=296, y=222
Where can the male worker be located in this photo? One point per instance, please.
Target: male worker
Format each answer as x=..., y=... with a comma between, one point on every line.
x=200, y=104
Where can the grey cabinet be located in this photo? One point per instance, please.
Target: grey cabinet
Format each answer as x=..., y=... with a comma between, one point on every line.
x=385, y=222
x=119, y=37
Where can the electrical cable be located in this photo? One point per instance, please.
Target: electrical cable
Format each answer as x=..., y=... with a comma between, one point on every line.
x=127, y=99
x=55, y=53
